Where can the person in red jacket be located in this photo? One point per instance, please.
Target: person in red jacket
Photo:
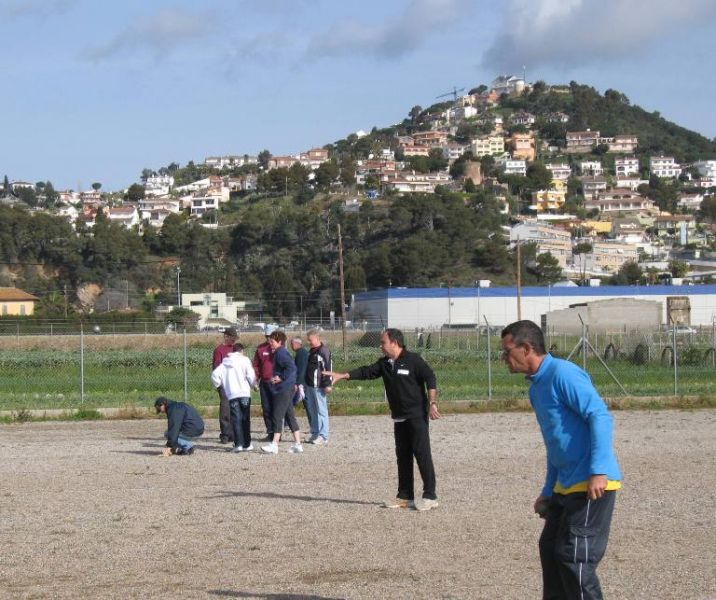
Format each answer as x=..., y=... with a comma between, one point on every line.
x=226, y=434
x=263, y=366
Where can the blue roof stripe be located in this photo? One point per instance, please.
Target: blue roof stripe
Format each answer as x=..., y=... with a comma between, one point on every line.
x=538, y=292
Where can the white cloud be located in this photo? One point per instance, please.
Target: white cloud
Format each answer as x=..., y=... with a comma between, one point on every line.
x=162, y=33
x=11, y=9
x=576, y=32
x=394, y=38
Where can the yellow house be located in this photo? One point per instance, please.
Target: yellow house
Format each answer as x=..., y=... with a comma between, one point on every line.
x=16, y=302
x=544, y=200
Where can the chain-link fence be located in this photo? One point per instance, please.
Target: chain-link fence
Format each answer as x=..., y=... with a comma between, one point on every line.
x=115, y=369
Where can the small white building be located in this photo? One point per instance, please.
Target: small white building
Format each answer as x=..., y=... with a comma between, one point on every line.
x=626, y=165
x=664, y=166
x=560, y=171
x=214, y=307
x=706, y=168
x=511, y=166
x=591, y=167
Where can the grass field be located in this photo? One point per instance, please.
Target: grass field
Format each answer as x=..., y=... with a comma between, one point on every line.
x=125, y=372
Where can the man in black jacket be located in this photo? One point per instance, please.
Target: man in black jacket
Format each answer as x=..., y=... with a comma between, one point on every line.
x=411, y=390
x=184, y=424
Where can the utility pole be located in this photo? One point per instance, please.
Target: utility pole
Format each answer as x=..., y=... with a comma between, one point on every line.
x=343, y=291
x=519, y=281
x=178, y=289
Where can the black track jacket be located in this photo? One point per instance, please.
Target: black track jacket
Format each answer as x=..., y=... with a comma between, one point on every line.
x=406, y=382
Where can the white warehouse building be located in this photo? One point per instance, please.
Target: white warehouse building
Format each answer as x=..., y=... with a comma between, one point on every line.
x=407, y=308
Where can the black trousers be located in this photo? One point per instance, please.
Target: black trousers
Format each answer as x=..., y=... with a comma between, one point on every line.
x=282, y=408
x=225, y=430
x=241, y=421
x=573, y=541
x=412, y=439
x=265, y=393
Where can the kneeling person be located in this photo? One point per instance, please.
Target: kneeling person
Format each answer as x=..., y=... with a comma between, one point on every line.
x=183, y=425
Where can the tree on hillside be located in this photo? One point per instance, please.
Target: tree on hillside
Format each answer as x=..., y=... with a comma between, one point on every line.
x=708, y=208
x=135, y=192
x=263, y=159
x=630, y=273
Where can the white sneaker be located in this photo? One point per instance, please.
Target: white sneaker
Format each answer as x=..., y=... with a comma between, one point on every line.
x=271, y=448
x=236, y=449
x=320, y=441
x=249, y=448
x=296, y=449
x=426, y=504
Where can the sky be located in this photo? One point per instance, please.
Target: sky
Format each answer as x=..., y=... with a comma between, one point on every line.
x=97, y=91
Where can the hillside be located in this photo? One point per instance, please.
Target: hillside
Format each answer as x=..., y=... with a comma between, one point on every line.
x=279, y=243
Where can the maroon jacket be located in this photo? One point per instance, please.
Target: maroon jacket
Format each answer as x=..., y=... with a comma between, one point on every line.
x=220, y=353
x=263, y=362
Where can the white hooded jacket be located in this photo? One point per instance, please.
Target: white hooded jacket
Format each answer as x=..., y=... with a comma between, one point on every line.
x=236, y=375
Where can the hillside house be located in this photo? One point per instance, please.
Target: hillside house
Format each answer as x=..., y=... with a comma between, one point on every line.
x=581, y=141
x=523, y=145
x=591, y=167
x=626, y=165
x=664, y=166
x=491, y=145
x=560, y=171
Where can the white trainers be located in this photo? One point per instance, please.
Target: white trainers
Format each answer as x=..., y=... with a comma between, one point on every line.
x=319, y=441
x=426, y=504
x=249, y=448
x=271, y=448
x=399, y=503
x=296, y=449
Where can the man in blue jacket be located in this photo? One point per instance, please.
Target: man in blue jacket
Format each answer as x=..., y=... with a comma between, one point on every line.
x=577, y=499
x=184, y=424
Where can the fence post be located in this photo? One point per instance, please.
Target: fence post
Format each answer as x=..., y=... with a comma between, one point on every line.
x=82, y=364
x=673, y=343
x=489, y=362
x=186, y=368
x=584, y=346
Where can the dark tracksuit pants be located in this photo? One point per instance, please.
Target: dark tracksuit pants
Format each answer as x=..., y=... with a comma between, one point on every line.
x=241, y=421
x=282, y=407
x=412, y=439
x=265, y=393
x=225, y=430
x=572, y=543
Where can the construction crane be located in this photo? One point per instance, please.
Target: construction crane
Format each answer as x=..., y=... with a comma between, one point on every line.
x=454, y=93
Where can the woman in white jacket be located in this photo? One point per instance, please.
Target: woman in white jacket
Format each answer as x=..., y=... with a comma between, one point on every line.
x=234, y=377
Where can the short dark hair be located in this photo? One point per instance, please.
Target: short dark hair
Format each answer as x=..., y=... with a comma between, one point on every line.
x=239, y=347
x=160, y=401
x=396, y=336
x=278, y=336
x=526, y=332
x=231, y=332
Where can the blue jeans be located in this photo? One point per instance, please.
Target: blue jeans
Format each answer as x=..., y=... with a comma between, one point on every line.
x=183, y=442
x=310, y=404
x=318, y=403
x=241, y=421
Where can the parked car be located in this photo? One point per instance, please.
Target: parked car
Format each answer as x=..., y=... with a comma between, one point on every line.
x=682, y=329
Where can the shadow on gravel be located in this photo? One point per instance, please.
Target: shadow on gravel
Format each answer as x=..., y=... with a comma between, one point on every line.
x=138, y=452
x=232, y=594
x=275, y=496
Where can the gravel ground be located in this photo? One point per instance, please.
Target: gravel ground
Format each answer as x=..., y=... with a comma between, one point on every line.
x=89, y=510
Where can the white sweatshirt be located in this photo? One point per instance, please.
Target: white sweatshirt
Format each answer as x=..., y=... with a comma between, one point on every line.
x=236, y=375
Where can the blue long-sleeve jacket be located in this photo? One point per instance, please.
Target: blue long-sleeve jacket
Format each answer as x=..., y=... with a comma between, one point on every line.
x=575, y=423
x=285, y=367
